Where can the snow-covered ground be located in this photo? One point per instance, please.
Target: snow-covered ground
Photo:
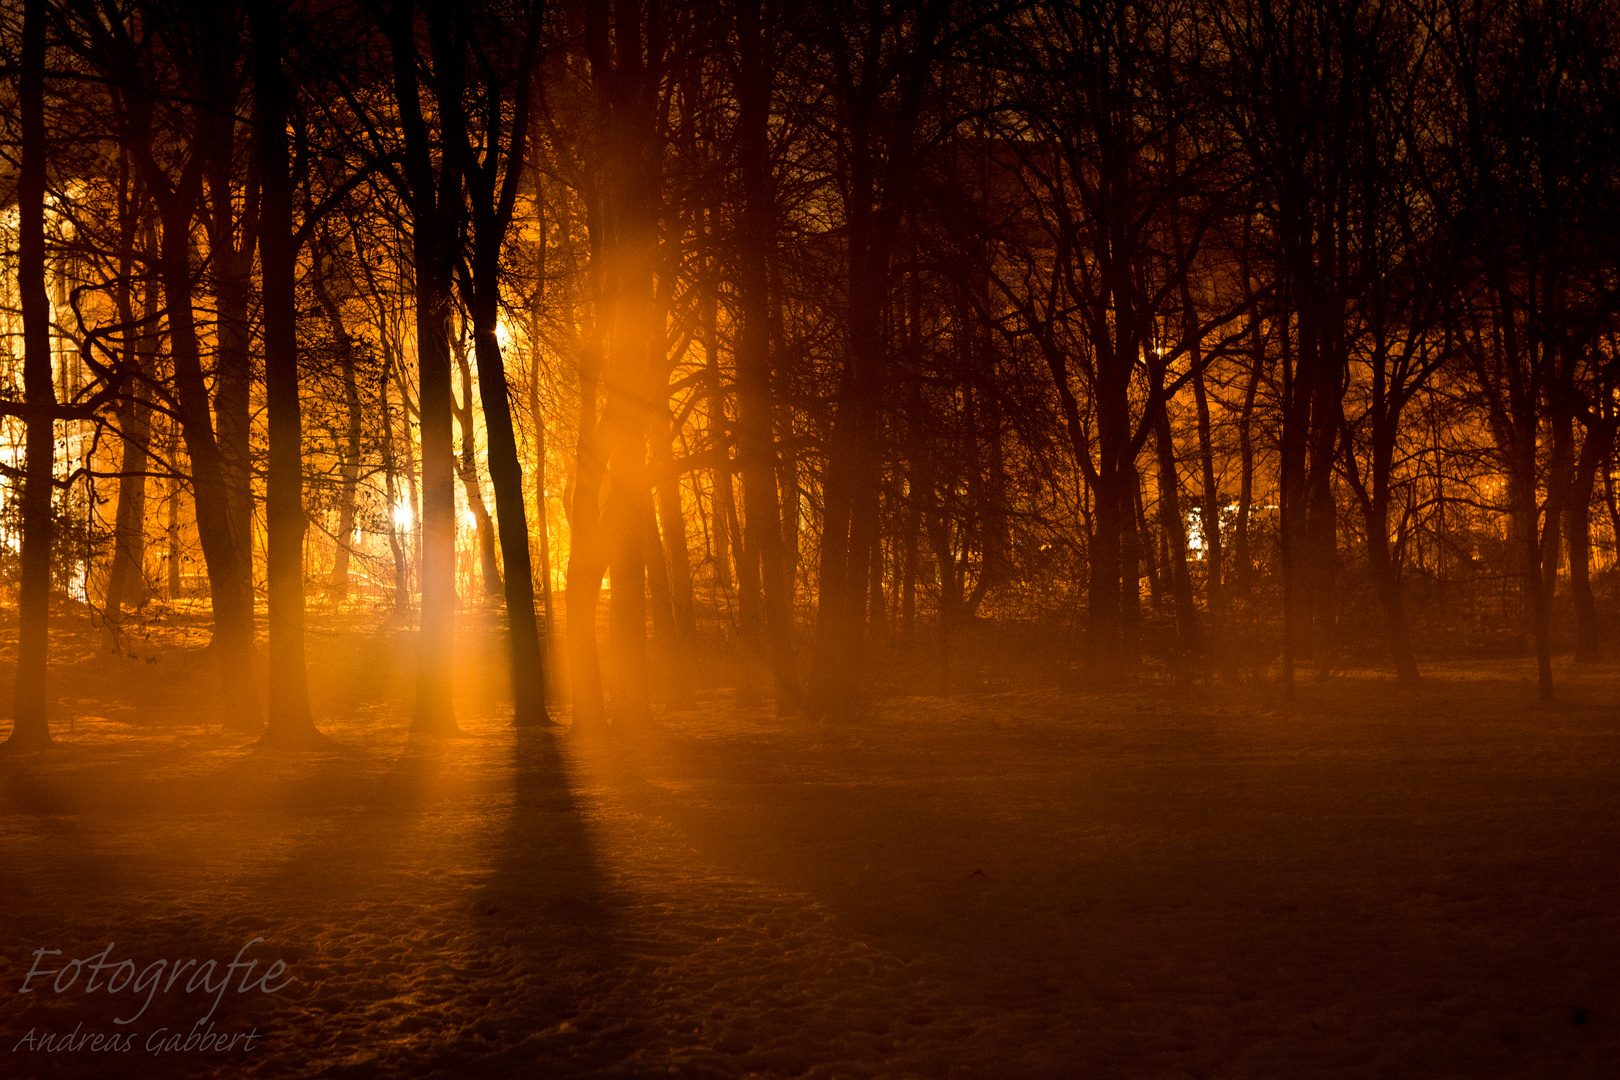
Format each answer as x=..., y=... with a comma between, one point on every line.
x=1029, y=884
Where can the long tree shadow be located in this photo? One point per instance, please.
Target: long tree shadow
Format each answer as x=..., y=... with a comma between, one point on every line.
x=551, y=924
x=456, y=923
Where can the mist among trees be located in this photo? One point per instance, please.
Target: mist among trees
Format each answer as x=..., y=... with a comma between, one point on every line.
x=793, y=346
x=743, y=539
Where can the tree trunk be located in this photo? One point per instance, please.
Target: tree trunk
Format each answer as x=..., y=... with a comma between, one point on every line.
x=908, y=570
x=672, y=527
x=489, y=569
x=1209, y=511
x=413, y=490
x=756, y=443
x=1526, y=541
x=1322, y=521
x=1129, y=585
x=396, y=545
x=1595, y=449
x=1388, y=587
x=1175, y=533
x=624, y=523
x=542, y=524
x=587, y=561
x=506, y=477
x=232, y=599
x=233, y=415
x=1375, y=516
x=228, y=561
x=30, y=724
x=1242, y=559
x=666, y=637
x=431, y=192
x=350, y=462
x=849, y=522
x=126, y=580
x=171, y=532
x=1294, y=499
x=232, y=236
x=625, y=57
x=1111, y=504
x=290, y=723
x=877, y=609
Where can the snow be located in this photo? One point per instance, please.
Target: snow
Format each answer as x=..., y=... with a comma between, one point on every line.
x=1033, y=883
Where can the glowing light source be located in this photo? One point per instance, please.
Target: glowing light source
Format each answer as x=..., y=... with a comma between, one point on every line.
x=402, y=515
x=472, y=519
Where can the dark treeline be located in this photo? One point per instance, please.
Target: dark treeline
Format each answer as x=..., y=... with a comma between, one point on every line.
x=1208, y=338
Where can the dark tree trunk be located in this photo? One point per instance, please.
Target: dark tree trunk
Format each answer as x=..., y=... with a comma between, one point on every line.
x=30, y=724
x=290, y=723
x=232, y=600
x=910, y=541
x=1546, y=544
x=1375, y=516
x=537, y=421
x=1293, y=496
x=756, y=444
x=881, y=168
x=670, y=564
x=433, y=196
x=1322, y=517
x=849, y=521
x=587, y=557
x=549, y=630
x=1155, y=555
x=1209, y=511
x=413, y=489
x=396, y=543
x=1129, y=585
x=787, y=465
x=232, y=236
x=543, y=526
x=724, y=514
x=877, y=611
x=672, y=527
x=171, y=531
x=350, y=460
x=666, y=637
x=625, y=58
x=1387, y=584
x=729, y=541
x=994, y=534
x=586, y=565
x=1242, y=558
x=1595, y=449
x=228, y=559
x=792, y=508
x=233, y=376
x=1111, y=507
x=489, y=567
x=126, y=580
x=1175, y=533
x=624, y=523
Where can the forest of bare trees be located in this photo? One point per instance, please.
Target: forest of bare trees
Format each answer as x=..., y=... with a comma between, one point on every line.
x=797, y=344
